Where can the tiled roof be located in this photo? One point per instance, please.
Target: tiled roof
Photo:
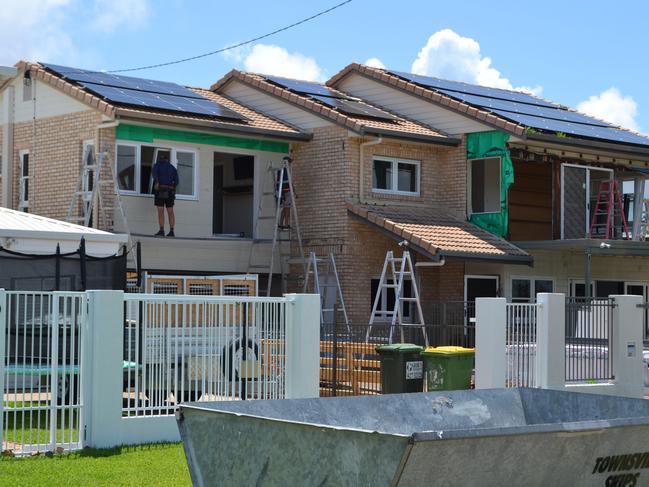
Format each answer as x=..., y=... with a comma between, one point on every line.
x=438, y=234
x=400, y=127
x=256, y=121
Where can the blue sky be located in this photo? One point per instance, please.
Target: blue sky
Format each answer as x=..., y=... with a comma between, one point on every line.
x=568, y=51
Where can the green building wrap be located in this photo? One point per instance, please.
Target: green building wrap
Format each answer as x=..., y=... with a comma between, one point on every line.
x=493, y=144
x=140, y=133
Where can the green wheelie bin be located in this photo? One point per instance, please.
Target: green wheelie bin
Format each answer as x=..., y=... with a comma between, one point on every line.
x=402, y=368
x=448, y=368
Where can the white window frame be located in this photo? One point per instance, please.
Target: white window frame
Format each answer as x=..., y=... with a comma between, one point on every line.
x=395, y=176
x=532, y=280
x=469, y=185
x=138, y=166
x=23, y=204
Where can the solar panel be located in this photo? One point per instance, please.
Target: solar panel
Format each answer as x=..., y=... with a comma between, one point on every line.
x=606, y=133
x=457, y=86
x=198, y=106
x=353, y=107
x=304, y=87
x=108, y=79
x=333, y=99
x=523, y=108
x=527, y=110
x=143, y=93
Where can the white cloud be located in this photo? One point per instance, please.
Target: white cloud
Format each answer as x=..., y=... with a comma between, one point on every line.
x=449, y=55
x=612, y=106
x=375, y=63
x=269, y=59
x=33, y=30
x=110, y=14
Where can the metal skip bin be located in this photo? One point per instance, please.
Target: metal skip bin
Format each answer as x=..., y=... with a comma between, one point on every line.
x=480, y=437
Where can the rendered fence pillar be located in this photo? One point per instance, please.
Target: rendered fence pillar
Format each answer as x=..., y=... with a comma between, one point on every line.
x=626, y=345
x=302, y=346
x=550, y=341
x=490, y=360
x=102, y=357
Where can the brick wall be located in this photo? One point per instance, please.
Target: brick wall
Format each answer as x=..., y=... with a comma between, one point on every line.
x=326, y=175
x=55, y=148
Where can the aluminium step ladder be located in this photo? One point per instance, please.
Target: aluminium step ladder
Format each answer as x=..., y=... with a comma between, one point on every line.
x=326, y=283
x=95, y=174
x=282, y=238
x=395, y=271
x=609, y=205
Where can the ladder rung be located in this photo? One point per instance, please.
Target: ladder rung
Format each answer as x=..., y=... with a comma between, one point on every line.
x=265, y=218
x=407, y=299
x=268, y=193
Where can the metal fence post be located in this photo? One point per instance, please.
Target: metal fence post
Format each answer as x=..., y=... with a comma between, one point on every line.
x=334, y=361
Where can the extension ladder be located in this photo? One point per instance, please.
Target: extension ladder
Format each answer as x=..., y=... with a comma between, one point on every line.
x=326, y=283
x=609, y=205
x=395, y=271
x=643, y=228
x=282, y=238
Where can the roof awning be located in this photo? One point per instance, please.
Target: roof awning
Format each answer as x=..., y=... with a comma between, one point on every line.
x=439, y=236
x=607, y=248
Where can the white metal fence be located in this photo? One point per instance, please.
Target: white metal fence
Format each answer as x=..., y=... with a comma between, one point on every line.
x=198, y=348
x=41, y=337
x=520, y=339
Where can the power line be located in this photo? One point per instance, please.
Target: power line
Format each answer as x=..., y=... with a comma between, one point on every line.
x=234, y=46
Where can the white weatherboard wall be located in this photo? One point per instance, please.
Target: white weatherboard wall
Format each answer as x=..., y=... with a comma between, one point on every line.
x=411, y=106
x=272, y=105
x=102, y=373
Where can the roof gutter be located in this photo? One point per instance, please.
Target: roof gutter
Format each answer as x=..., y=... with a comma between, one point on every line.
x=430, y=139
x=612, y=147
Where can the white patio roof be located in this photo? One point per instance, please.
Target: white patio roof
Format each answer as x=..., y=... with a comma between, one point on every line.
x=28, y=233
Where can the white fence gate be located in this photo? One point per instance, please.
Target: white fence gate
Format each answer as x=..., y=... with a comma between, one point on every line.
x=520, y=339
x=41, y=380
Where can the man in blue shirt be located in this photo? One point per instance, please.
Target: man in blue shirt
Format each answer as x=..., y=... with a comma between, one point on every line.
x=165, y=181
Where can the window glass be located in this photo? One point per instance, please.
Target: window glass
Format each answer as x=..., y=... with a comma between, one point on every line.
x=25, y=165
x=521, y=290
x=543, y=286
x=485, y=185
x=146, y=165
x=605, y=288
x=382, y=175
x=185, y=163
x=407, y=177
x=126, y=159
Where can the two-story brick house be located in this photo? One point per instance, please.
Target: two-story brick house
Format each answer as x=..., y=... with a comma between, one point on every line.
x=562, y=163
x=366, y=182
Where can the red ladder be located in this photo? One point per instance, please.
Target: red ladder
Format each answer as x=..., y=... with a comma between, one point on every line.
x=609, y=197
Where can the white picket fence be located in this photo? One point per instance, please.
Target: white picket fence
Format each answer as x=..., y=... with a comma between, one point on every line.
x=104, y=368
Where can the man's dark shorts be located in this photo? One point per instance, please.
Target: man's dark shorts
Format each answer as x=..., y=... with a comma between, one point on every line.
x=164, y=198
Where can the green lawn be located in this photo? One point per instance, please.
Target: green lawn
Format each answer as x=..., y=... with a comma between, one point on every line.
x=138, y=466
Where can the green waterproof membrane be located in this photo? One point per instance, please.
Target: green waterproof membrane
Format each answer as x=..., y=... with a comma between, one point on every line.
x=140, y=133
